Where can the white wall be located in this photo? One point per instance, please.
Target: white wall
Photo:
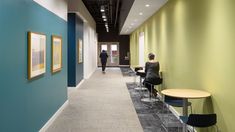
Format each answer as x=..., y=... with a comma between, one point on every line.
x=141, y=49
x=89, y=38
x=58, y=7
x=90, y=50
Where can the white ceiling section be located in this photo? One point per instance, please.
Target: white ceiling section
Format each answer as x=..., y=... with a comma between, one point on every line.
x=134, y=19
x=58, y=7
x=78, y=7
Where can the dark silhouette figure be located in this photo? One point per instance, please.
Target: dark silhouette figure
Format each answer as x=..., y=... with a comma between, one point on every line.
x=103, y=58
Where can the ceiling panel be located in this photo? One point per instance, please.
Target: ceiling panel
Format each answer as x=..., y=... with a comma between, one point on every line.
x=140, y=11
x=110, y=6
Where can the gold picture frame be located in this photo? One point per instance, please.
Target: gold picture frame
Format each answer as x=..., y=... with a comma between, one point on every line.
x=80, y=51
x=56, y=53
x=36, y=54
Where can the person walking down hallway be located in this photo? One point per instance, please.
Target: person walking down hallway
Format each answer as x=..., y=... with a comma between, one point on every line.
x=103, y=58
x=152, y=74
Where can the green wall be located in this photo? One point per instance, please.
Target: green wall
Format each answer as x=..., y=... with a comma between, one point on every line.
x=194, y=42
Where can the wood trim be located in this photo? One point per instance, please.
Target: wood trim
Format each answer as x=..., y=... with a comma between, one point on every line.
x=52, y=52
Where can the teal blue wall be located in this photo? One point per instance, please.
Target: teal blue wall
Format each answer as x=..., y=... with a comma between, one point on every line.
x=75, y=32
x=27, y=105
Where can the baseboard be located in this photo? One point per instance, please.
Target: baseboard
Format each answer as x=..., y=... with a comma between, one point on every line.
x=90, y=74
x=52, y=119
x=132, y=69
x=124, y=65
x=80, y=83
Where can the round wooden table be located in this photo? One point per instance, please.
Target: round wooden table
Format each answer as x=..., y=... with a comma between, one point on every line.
x=186, y=94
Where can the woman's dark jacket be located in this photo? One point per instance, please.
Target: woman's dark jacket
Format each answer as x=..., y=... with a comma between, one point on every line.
x=152, y=73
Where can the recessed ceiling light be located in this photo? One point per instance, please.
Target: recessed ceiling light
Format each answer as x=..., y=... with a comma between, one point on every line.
x=141, y=13
x=102, y=8
x=147, y=5
x=105, y=19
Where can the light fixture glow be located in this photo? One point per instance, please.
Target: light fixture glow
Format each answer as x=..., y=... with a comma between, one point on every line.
x=102, y=8
x=147, y=5
x=106, y=25
x=105, y=19
x=103, y=15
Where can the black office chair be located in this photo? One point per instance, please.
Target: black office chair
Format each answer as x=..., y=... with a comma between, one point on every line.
x=136, y=73
x=201, y=120
x=138, y=68
x=176, y=102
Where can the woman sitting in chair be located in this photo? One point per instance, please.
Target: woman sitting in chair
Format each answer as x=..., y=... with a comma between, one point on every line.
x=152, y=74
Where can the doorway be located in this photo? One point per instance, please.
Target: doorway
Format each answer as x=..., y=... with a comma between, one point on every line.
x=112, y=49
x=141, y=49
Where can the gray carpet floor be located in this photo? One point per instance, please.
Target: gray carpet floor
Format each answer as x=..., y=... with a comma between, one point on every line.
x=101, y=104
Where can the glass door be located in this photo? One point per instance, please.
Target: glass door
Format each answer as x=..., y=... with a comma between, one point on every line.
x=112, y=49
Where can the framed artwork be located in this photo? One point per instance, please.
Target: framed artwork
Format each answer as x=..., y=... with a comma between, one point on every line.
x=79, y=50
x=56, y=53
x=36, y=54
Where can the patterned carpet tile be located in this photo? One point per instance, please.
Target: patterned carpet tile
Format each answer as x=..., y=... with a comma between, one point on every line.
x=126, y=71
x=154, y=117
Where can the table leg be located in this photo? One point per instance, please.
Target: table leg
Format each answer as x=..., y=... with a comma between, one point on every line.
x=185, y=112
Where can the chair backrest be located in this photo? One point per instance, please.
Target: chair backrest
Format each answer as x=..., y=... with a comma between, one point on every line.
x=202, y=120
x=169, y=98
x=138, y=68
x=173, y=101
x=157, y=81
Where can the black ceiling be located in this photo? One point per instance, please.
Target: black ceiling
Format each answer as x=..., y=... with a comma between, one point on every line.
x=112, y=11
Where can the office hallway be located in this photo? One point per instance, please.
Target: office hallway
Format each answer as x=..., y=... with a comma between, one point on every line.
x=101, y=104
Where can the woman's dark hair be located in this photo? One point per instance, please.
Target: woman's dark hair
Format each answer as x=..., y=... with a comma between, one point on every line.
x=151, y=56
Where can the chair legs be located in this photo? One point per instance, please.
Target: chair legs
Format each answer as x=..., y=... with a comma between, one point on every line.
x=166, y=108
x=191, y=109
x=150, y=99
